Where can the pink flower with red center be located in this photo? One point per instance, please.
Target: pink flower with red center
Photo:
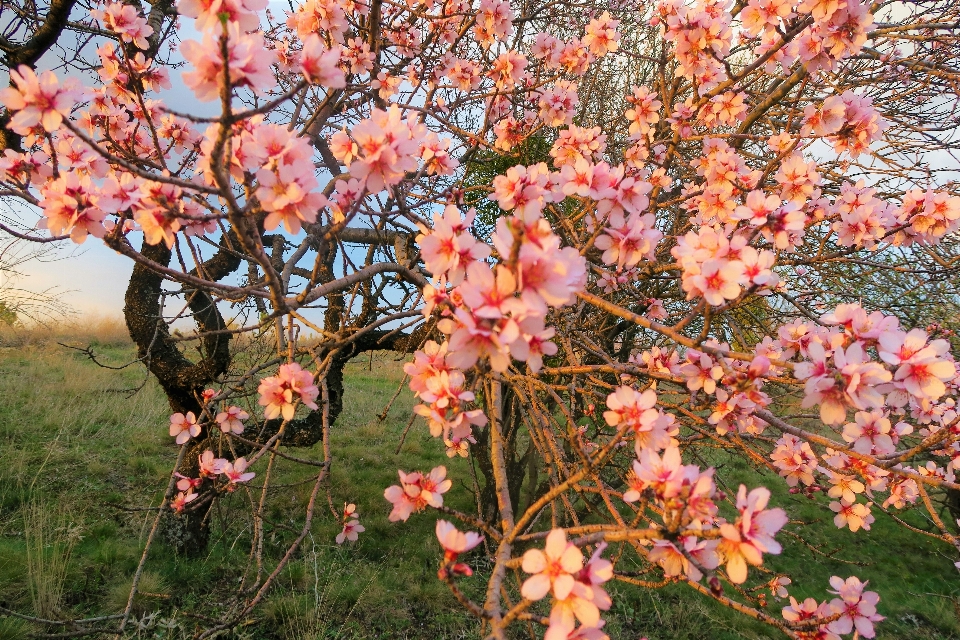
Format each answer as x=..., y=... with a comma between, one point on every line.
x=644, y=113
x=675, y=563
x=185, y=483
x=182, y=499
x=626, y=242
x=717, y=281
x=351, y=525
x=455, y=542
x=183, y=427
x=636, y=409
x=858, y=607
x=850, y=381
x=416, y=492
x=853, y=515
x=124, y=19
x=279, y=393
x=236, y=472
x=232, y=419
x=448, y=249
x=795, y=460
x=807, y=611
x=248, y=60
x=386, y=147
x=701, y=372
x=922, y=369
x=209, y=465
x=32, y=168
x=69, y=206
x=522, y=189
x=208, y=12
x=664, y=476
x=508, y=70
x=321, y=65
x=601, y=35
x=558, y=104
x=553, y=568
x=493, y=22
x=745, y=541
x=869, y=433
x=38, y=101
x=585, y=600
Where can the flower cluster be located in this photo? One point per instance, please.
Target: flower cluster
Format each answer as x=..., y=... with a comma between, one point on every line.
x=210, y=467
x=559, y=571
x=417, y=491
x=279, y=393
x=351, y=524
x=855, y=610
x=441, y=386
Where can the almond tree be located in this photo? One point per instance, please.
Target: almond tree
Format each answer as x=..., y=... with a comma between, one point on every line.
x=616, y=238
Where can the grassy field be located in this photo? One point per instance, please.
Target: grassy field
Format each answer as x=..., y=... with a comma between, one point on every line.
x=81, y=454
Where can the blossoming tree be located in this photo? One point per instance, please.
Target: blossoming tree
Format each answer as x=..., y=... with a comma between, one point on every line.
x=614, y=236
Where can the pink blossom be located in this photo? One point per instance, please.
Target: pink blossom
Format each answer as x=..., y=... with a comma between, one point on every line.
x=718, y=281
x=663, y=475
x=386, y=148
x=853, y=515
x=454, y=543
x=760, y=15
x=558, y=104
x=182, y=499
x=922, y=369
x=38, y=100
x=209, y=465
x=156, y=212
x=69, y=206
x=119, y=192
x=208, y=12
x=584, y=602
x=417, y=491
x=627, y=241
x=858, y=607
x=32, y=168
x=320, y=65
x=795, y=460
x=601, y=35
x=844, y=487
x=183, y=427
x=449, y=248
x=644, y=112
x=248, y=61
x=351, y=525
x=675, y=563
x=236, y=472
x=508, y=70
x=630, y=407
x=553, y=568
x=808, y=610
x=751, y=536
x=279, y=393
x=493, y=22
x=124, y=19
x=851, y=381
x=232, y=420
x=187, y=484
x=701, y=371
x=870, y=433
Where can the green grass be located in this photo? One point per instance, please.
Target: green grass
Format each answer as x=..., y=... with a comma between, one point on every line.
x=74, y=442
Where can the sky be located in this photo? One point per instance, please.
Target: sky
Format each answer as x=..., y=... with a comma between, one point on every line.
x=91, y=277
